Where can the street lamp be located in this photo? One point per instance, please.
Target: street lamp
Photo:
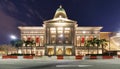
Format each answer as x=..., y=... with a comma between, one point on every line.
x=13, y=37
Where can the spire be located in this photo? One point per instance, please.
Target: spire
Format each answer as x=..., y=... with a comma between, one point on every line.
x=60, y=12
x=60, y=6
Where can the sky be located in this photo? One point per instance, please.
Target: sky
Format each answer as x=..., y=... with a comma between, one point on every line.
x=14, y=13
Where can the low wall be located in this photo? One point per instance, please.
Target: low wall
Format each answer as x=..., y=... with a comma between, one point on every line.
x=118, y=56
x=98, y=57
x=16, y=57
x=79, y=57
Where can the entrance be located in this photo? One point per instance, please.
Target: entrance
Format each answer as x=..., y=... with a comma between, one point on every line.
x=59, y=50
x=50, y=51
x=68, y=51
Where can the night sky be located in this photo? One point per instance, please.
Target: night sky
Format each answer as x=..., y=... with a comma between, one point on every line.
x=14, y=13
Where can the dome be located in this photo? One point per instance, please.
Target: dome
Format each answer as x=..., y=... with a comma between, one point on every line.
x=60, y=12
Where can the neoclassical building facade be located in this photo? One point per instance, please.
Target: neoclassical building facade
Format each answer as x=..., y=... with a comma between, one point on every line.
x=59, y=36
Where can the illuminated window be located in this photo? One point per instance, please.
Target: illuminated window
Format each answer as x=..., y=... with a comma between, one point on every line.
x=96, y=32
x=41, y=40
x=60, y=31
x=66, y=31
x=53, y=39
x=60, y=28
x=53, y=36
x=67, y=28
x=52, y=28
x=82, y=40
x=90, y=37
x=53, y=31
x=78, y=40
x=95, y=36
x=87, y=38
x=84, y=32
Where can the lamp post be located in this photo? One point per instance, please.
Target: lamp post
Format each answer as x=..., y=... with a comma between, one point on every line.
x=13, y=38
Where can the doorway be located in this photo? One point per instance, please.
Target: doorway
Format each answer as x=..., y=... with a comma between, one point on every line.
x=50, y=51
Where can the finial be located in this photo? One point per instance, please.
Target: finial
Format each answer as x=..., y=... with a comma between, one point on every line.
x=60, y=6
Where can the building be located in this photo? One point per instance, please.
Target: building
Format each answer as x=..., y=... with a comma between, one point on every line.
x=59, y=36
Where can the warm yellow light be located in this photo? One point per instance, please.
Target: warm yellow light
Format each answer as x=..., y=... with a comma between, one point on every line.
x=67, y=28
x=19, y=51
x=66, y=31
x=60, y=24
x=61, y=35
x=52, y=28
x=118, y=34
x=60, y=28
x=60, y=31
x=118, y=53
x=53, y=31
x=84, y=32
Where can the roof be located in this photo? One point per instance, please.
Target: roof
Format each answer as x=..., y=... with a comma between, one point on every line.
x=60, y=12
x=30, y=27
x=89, y=28
x=60, y=17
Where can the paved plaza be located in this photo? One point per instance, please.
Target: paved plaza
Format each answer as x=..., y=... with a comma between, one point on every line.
x=59, y=64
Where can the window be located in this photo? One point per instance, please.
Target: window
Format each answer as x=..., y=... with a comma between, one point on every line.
x=53, y=32
x=52, y=28
x=67, y=28
x=53, y=39
x=78, y=40
x=60, y=28
x=60, y=31
x=82, y=40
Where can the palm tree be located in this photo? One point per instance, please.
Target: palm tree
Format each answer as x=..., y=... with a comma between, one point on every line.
x=87, y=44
x=30, y=43
x=103, y=43
x=18, y=43
x=100, y=42
x=27, y=42
x=93, y=42
x=96, y=42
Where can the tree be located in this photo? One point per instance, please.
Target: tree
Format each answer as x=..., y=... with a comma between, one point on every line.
x=87, y=44
x=26, y=44
x=30, y=43
x=96, y=42
x=92, y=42
x=12, y=42
x=100, y=42
x=103, y=43
x=18, y=43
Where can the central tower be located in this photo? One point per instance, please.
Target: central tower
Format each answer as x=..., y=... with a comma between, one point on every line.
x=60, y=34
